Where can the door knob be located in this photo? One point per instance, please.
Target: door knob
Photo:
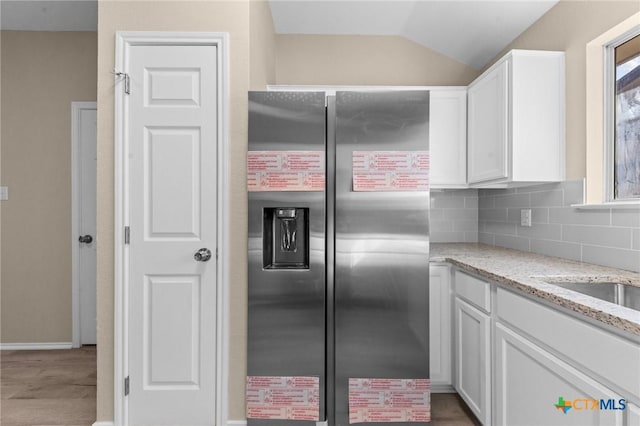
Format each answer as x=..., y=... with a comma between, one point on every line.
x=202, y=255
x=87, y=239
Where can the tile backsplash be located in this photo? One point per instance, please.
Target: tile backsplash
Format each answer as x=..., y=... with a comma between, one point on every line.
x=453, y=216
x=609, y=237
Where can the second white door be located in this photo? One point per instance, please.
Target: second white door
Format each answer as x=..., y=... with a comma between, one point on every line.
x=84, y=233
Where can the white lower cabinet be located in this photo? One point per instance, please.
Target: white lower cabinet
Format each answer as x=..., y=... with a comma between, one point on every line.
x=516, y=358
x=440, y=328
x=473, y=359
x=529, y=383
x=633, y=414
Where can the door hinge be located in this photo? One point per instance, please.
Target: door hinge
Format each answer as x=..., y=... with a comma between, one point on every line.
x=216, y=253
x=127, y=86
x=126, y=386
x=127, y=235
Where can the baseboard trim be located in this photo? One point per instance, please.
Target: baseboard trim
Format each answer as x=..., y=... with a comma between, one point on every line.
x=442, y=389
x=244, y=423
x=35, y=346
x=229, y=423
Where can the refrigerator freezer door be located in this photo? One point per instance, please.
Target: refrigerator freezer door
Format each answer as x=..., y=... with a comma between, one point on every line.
x=286, y=317
x=381, y=249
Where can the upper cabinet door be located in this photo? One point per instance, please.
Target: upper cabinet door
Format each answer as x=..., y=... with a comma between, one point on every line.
x=516, y=121
x=448, y=138
x=487, y=103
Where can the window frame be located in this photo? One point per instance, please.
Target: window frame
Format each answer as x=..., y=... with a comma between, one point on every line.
x=599, y=147
x=609, y=86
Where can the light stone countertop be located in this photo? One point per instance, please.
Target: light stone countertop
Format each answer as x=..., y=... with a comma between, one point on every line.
x=528, y=272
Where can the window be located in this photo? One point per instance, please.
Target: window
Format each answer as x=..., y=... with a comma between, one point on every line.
x=626, y=131
x=613, y=117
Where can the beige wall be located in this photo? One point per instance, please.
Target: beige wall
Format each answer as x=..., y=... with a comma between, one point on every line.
x=42, y=73
x=262, y=45
x=219, y=16
x=569, y=26
x=365, y=60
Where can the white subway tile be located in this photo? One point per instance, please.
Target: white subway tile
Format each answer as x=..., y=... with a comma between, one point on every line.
x=471, y=237
x=447, y=202
x=486, y=238
x=486, y=202
x=626, y=217
x=435, y=214
x=605, y=236
x=539, y=215
x=512, y=242
x=615, y=258
x=541, y=231
x=547, y=198
x=502, y=228
x=556, y=248
x=569, y=215
x=441, y=225
x=470, y=202
x=513, y=200
x=465, y=225
x=446, y=237
x=495, y=215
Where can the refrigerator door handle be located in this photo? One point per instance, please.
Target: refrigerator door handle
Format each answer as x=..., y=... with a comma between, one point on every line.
x=330, y=191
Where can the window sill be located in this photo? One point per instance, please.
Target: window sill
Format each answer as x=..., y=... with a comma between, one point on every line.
x=635, y=204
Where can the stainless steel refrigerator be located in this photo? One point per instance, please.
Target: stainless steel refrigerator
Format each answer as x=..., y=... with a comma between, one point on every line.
x=338, y=309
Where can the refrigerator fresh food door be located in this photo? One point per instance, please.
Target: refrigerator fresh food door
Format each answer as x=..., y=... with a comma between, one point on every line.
x=381, y=248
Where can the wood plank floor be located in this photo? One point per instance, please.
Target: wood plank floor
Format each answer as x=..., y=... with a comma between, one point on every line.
x=448, y=409
x=41, y=388
x=47, y=388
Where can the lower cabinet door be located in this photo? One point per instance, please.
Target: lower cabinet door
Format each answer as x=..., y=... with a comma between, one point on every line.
x=440, y=328
x=633, y=415
x=473, y=361
x=533, y=387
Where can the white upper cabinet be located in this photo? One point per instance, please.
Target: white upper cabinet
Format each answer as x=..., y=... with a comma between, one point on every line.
x=488, y=126
x=448, y=137
x=515, y=122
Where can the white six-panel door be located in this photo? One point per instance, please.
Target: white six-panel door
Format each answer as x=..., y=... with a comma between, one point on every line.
x=172, y=144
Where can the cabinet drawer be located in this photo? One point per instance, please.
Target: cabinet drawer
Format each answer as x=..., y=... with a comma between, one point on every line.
x=612, y=359
x=473, y=290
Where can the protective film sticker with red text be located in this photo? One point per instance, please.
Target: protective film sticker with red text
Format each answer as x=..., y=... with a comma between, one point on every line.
x=389, y=400
x=283, y=398
x=285, y=171
x=390, y=170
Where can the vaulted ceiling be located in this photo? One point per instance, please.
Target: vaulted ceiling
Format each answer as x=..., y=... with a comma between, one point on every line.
x=470, y=31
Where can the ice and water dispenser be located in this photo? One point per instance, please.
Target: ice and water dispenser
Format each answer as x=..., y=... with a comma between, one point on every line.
x=285, y=238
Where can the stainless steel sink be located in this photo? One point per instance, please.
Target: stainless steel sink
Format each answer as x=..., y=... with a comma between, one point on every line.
x=621, y=294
